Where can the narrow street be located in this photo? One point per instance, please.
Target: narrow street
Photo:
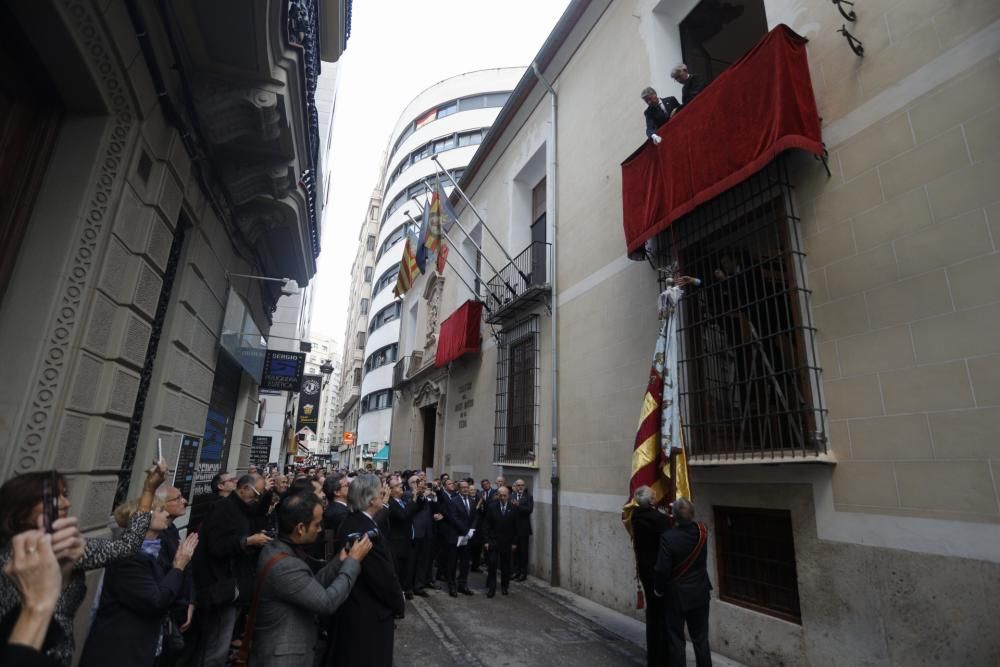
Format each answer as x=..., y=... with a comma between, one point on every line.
x=534, y=625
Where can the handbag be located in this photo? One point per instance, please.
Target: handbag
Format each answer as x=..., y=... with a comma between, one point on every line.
x=173, y=640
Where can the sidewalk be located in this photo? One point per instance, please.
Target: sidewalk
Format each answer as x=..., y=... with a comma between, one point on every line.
x=535, y=625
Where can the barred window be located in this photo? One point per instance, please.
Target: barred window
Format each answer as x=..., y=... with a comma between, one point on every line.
x=517, y=410
x=748, y=374
x=756, y=560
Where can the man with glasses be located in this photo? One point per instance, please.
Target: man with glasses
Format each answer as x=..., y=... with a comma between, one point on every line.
x=335, y=488
x=175, y=504
x=224, y=566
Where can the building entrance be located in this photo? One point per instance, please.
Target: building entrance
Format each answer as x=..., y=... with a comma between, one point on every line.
x=429, y=416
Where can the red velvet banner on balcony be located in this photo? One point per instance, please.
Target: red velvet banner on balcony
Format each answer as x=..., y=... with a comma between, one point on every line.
x=459, y=333
x=762, y=105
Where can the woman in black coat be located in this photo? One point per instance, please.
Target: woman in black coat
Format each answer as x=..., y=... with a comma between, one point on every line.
x=648, y=524
x=137, y=594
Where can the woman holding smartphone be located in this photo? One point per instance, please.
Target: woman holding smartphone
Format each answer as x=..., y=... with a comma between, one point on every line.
x=23, y=507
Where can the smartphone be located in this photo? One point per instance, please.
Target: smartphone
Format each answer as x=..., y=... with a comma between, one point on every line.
x=50, y=501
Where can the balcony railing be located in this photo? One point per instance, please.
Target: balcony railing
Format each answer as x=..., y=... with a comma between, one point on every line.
x=404, y=369
x=519, y=284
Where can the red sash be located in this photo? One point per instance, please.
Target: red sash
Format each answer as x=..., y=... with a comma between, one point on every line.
x=683, y=568
x=244, y=653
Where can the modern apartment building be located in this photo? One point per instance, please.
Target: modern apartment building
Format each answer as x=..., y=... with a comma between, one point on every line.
x=839, y=384
x=447, y=121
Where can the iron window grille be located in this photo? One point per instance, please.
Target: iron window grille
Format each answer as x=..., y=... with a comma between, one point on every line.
x=749, y=380
x=515, y=433
x=755, y=554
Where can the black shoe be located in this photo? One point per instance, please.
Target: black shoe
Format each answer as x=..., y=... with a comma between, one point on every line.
x=504, y=591
x=441, y=577
x=476, y=569
x=433, y=586
x=421, y=593
x=399, y=616
x=453, y=593
x=408, y=596
x=465, y=591
x=490, y=593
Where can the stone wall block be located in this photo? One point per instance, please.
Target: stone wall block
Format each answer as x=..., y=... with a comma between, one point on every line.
x=158, y=243
x=166, y=409
x=129, y=280
x=965, y=333
x=94, y=500
x=944, y=244
x=969, y=486
x=71, y=441
x=975, y=282
x=907, y=300
x=192, y=414
x=927, y=388
x=132, y=220
x=170, y=196
x=963, y=434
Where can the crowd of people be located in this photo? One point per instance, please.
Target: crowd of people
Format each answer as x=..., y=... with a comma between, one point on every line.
x=310, y=567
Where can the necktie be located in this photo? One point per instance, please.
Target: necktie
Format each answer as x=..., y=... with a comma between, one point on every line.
x=466, y=499
x=503, y=510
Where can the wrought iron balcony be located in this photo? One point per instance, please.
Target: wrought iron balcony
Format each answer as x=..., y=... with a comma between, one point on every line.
x=405, y=368
x=520, y=284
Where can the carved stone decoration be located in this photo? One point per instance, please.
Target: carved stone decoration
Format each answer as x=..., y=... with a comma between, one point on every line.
x=428, y=394
x=245, y=182
x=228, y=113
x=87, y=29
x=432, y=294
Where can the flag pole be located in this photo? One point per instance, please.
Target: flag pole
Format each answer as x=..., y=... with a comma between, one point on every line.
x=464, y=261
x=482, y=254
x=476, y=211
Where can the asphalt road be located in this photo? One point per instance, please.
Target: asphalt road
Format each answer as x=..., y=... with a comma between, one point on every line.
x=531, y=626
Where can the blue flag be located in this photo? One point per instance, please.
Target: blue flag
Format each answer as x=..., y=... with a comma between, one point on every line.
x=422, y=236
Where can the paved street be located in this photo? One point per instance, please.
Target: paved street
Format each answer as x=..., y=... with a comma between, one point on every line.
x=534, y=625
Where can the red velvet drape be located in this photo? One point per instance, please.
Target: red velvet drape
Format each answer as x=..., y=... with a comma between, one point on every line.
x=762, y=105
x=459, y=333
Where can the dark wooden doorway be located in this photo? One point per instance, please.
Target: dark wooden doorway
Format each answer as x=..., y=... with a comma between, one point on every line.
x=429, y=416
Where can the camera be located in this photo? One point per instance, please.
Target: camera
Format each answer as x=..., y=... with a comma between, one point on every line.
x=270, y=532
x=354, y=537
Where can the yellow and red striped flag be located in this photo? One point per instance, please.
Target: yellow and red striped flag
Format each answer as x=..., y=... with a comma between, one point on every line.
x=408, y=270
x=432, y=239
x=658, y=457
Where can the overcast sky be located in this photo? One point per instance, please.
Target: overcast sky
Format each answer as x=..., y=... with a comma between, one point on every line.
x=397, y=49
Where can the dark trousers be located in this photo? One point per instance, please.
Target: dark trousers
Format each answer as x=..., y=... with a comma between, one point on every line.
x=657, y=646
x=697, y=625
x=521, y=555
x=498, y=556
x=423, y=552
x=458, y=567
x=402, y=559
x=475, y=553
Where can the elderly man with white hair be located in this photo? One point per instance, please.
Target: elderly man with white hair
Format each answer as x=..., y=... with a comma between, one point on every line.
x=691, y=84
x=648, y=524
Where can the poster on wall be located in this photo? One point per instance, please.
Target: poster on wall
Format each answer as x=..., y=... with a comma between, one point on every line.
x=308, y=417
x=283, y=371
x=187, y=461
x=260, y=451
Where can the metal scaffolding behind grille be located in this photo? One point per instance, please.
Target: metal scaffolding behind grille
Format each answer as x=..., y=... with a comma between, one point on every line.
x=749, y=381
x=515, y=435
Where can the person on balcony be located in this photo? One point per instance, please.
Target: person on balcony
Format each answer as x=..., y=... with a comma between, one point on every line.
x=658, y=112
x=691, y=84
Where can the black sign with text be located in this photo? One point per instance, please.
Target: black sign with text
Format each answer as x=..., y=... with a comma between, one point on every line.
x=308, y=417
x=260, y=451
x=187, y=461
x=283, y=371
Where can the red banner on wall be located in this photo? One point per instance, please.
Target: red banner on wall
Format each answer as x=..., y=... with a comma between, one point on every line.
x=762, y=105
x=460, y=333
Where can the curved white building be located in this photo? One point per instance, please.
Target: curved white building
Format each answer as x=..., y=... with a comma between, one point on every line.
x=449, y=120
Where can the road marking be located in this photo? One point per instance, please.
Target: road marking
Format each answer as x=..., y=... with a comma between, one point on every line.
x=456, y=649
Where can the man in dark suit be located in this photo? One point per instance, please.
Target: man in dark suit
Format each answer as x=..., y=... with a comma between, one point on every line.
x=524, y=505
x=423, y=538
x=648, y=524
x=681, y=578
x=401, y=515
x=658, y=112
x=365, y=622
x=691, y=84
x=500, y=535
x=335, y=488
x=461, y=523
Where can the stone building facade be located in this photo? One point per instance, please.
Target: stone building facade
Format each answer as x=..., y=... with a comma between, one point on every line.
x=877, y=543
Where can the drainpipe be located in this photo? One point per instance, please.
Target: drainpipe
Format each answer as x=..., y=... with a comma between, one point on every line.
x=552, y=187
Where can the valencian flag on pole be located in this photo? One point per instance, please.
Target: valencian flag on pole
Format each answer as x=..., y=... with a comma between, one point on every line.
x=658, y=458
x=432, y=239
x=421, y=243
x=408, y=270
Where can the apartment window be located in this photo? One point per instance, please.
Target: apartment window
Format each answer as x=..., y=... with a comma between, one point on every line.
x=749, y=381
x=387, y=278
x=371, y=242
x=384, y=316
x=516, y=420
x=415, y=189
x=377, y=400
x=357, y=377
x=447, y=109
x=381, y=357
x=395, y=237
x=755, y=553
x=369, y=271
x=361, y=340
x=716, y=34
x=364, y=306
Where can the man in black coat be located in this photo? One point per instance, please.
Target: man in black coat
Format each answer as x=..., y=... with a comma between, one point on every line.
x=524, y=504
x=681, y=578
x=335, y=488
x=500, y=535
x=224, y=567
x=658, y=111
x=401, y=515
x=365, y=622
x=423, y=538
x=691, y=84
x=648, y=525
x=460, y=522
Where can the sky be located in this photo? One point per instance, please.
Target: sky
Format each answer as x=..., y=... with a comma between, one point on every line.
x=397, y=49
